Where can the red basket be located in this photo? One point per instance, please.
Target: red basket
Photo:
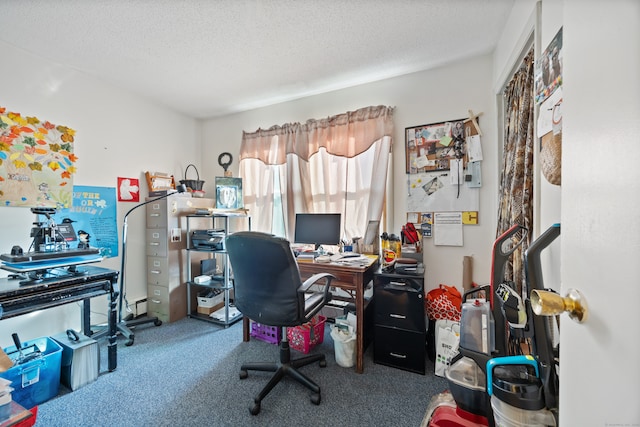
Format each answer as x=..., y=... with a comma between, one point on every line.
x=270, y=334
x=29, y=421
x=301, y=337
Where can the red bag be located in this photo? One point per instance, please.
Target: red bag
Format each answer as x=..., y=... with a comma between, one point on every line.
x=444, y=303
x=410, y=233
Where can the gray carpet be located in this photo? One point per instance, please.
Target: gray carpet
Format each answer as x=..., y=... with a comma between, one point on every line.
x=186, y=374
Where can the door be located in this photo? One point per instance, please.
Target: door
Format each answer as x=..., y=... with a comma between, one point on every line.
x=600, y=359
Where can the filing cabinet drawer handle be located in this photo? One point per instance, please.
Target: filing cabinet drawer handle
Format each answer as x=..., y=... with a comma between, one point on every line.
x=154, y=214
x=399, y=356
x=154, y=271
x=155, y=301
x=154, y=243
x=397, y=283
x=397, y=316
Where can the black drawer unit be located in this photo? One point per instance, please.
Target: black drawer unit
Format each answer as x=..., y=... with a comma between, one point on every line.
x=399, y=348
x=399, y=322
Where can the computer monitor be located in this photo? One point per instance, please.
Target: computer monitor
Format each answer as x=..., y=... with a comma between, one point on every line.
x=317, y=228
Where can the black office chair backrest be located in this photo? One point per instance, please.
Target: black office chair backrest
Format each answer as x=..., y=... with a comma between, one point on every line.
x=266, y=278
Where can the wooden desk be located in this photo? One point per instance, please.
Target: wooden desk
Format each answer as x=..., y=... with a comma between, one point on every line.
x=352, y=279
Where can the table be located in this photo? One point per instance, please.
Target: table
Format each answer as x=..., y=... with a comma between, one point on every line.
x=60, y=286
x=349, y=277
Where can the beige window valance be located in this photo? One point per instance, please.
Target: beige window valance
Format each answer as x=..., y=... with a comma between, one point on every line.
x=361, y=128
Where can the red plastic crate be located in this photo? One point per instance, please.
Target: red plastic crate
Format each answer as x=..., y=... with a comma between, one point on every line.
x=301, y=337
x=29, y=421
x=270, y=334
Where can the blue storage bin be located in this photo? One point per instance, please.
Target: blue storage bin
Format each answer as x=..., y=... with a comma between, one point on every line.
x=38, y=380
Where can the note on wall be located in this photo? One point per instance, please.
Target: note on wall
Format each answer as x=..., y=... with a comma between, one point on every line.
x=447, y=228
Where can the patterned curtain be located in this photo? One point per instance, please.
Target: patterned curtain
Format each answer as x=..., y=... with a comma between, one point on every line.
x=516, y=184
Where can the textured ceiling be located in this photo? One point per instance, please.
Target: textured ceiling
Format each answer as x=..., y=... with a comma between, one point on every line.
x=208, y=58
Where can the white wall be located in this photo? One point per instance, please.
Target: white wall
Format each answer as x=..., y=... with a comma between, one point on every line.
x=442, y=94
x=118, y=134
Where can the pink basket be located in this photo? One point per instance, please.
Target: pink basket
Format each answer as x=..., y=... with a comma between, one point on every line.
x=270, y=334
x=301, y=337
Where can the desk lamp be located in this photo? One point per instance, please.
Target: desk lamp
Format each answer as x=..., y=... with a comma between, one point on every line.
x=124, y=326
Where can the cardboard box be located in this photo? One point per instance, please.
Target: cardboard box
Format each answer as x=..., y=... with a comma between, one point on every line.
x=208, y=310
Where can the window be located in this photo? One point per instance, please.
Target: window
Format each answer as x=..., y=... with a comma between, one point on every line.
x=338, y=164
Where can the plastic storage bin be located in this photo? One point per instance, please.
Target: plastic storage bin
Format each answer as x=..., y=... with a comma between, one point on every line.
x=467, y=383
x=38, y=380
x=304, y=337
x=477, y=327
x=270, y=334
x=506, y=415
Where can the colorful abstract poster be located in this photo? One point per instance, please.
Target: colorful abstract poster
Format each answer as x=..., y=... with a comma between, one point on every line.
x=36, y=162
x=93, y=216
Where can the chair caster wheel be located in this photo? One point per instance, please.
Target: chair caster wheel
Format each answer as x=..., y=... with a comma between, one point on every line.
x=255, y=409
x=157, y=322
x=129, y=342
x=323, y=363
x=315, y=398
x=243, y=374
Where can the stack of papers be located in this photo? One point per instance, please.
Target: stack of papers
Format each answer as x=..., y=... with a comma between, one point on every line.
x=219, y=314
x=5, y=392
x=347, y=256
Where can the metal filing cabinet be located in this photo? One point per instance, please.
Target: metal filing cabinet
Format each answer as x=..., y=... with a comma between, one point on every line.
x=399, y=325
x=165, y=248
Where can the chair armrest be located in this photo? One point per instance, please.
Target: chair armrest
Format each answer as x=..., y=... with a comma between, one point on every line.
x=326, y=288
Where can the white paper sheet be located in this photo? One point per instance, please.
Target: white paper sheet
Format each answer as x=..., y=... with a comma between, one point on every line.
x=474, y=148
x=447, y=229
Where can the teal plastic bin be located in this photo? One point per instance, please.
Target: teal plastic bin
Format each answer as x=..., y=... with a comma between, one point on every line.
x=38, y=380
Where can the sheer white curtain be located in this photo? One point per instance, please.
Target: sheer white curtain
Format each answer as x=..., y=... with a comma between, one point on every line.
x=338, y=164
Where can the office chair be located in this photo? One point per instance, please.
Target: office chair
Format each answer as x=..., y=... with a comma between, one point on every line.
x=268, y=290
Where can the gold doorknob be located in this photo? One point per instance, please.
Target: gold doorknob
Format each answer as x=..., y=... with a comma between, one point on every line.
x=545, y=303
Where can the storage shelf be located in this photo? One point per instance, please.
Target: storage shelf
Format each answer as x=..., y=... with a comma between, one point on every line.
x=228, y=314
x=215, y=251
x=206, y=318
x=212, y=284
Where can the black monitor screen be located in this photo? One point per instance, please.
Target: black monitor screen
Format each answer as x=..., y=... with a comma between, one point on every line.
x=317, y=228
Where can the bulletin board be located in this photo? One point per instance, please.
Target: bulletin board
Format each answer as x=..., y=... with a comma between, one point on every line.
x=439, y=167
x=37, y=161
x=431, y=147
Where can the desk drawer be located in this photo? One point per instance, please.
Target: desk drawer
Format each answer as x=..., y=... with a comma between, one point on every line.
x=399, y=348
x=157, y=214
x=399, y=281
x=399, y=307
x=158, y=271
x=167, y=304
x=157, y=242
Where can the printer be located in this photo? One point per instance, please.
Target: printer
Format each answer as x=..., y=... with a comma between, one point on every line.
x=211, y=240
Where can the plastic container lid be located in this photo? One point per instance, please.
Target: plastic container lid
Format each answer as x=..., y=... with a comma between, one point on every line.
x=518, y=386
x=466, y=373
